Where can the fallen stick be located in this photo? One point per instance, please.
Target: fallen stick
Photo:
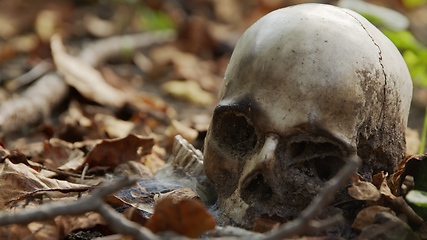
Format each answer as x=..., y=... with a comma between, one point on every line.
x=37, y=102
x=94, y=202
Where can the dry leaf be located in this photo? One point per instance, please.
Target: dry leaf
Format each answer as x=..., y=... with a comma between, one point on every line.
x=367, y=216
x=177, y=128
x=262, y=225
x=113, y=127
x=132, y=168
x=87, y=80
x=18, y=180
x=45, y=230
x=57, y=152
x=187, y=217
x=362, y=190
x=135, y=215
x=188, y=91
x=14, y=231
x=69, y=224
x=179, y=194
x=110, y=153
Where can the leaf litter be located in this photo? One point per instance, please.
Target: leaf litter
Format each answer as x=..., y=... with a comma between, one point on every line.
x=119, y=100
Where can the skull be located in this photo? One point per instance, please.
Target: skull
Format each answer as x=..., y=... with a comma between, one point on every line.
x=306, y=86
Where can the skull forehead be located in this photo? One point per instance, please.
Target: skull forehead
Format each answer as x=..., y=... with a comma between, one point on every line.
x=302, y=60
x=307, y=46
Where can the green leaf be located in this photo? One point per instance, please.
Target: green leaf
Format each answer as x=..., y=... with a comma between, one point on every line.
x=413, y=3
x=418, y=198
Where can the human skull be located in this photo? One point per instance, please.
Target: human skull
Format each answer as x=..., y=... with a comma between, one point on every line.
x=306, y=86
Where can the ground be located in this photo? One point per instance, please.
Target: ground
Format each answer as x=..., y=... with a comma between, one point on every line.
x=95, y=91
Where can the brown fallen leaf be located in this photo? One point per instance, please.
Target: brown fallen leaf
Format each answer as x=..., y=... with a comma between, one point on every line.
x=113, y=127
x=132, y=168
x=263, y=225
x=57, y=152
x=68, y=224
x=178, y=194
x=135, y=215
x=112, y=152
x=19, y=180
x=14, y=231
x=362, y=190
x=188, y=91
x=178, y=128
x=367, y=216
x=45, y=230
x=187, y=217
x=86, y=79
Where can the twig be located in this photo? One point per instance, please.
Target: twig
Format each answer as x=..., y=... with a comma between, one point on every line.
x=39, y=70
x=51, y=210
x=95, y=53
x=33, y=105
x=62, y=172
x=92, y=203
x=322, y=200
x=82, y=178
x=120, y=224
x=38, y=100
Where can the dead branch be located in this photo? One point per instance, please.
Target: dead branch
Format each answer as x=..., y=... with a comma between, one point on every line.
x=96, y=53
x=120, y=224
x=39, y=99
x=325, y=197
x=94, y=202
x=33, y=105
x=39, y=70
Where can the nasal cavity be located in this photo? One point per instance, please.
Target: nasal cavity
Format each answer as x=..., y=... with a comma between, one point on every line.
x=257, y=190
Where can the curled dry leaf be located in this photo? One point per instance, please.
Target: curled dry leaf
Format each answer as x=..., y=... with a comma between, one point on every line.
x=362, y=190
x=366, y=216
x=57, y=152
x=87, y=80
x=187, y=217
x=388, y=226
x=68, y=224
x=18, y=180
x=112, y=152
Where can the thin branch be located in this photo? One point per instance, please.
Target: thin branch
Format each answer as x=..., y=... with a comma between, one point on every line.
x=39, y=70
x=33, y=105
x=321, y=201
x=51, y=210
x=94, y=202
x=120, y=224
x=95, y=53
x=37, y=102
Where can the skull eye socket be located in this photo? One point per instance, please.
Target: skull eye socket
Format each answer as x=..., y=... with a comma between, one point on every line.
x=326, y=168
x=325, y=158
x=234, y=133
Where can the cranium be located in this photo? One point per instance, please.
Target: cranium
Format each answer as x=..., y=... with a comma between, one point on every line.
x=306, y=86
